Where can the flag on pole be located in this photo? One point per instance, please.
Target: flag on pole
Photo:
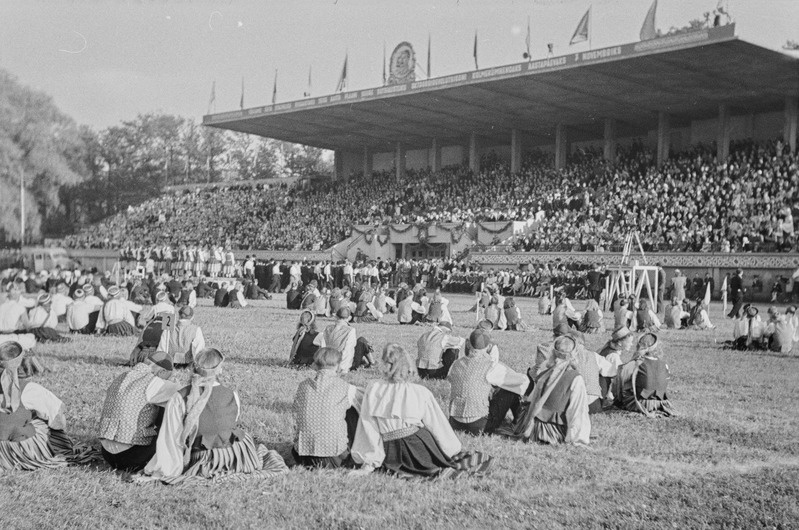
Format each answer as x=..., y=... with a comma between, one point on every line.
x=581, y=34
x=648, y=29
x=429, y=71
x=308, y=94
x=724, y=294
x=212, y=100
x=706, y=299
x=527, y=39
x=384, y=62
x=475, y=51
x=274, y=89
x=241, y=101
x=342, y=81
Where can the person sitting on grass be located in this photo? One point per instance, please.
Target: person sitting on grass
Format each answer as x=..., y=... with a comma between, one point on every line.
x=702, y=318
x=592, y=319
x=355, y=351
x=437, y=349
x=564, y=312
x=646, y=319
x=326, y=414
x=152, y=320
x=303, y=349
x=748, y=329
x=641, y=384
x=133, y=411
x=620, y=343
x=408, y=310
x=622, y=316
x=592, y=367
x=236, y=296
x=221, y=296
x=81, y=315
x=676, y=316
x=474, y=406
x=116, y=317
x=513, y=316
x=199, y=435
x=32, y=420
x=42, y=321
x=185, y=341
x=778, y=335
x=558, y=406
x=403, y=431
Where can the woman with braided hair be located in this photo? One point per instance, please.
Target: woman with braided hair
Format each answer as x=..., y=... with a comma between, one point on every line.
x=199, y=436
x=402, y=429
x=641, y=384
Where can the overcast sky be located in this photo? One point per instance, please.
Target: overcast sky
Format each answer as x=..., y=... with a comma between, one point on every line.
x=106, y=61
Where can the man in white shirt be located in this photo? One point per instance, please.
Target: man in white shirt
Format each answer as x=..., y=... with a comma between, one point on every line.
x=274, y=287
x=14, y=311
x=437, y=349
x=249, y=267
x=61, y=301
x=340, y=336
x=80, y=314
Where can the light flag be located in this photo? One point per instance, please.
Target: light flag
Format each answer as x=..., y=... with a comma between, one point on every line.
x=241, y=101
x=581, y=34
x=274, y=89
x=342, y=82
x=475, y=51
x=429, y=71
x=212, y=100
x=648, y=30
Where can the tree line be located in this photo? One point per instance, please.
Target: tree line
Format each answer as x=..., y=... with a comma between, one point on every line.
x=74, y=175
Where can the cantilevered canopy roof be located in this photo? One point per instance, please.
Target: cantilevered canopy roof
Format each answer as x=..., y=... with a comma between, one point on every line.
x=687, y=75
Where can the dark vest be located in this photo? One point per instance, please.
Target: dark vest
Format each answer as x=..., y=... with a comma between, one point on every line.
x=16, y=426
x=221, y=298
x=217, y=420
x=184, y=297
x=652, y=379
x=644, y=319
x=554, y=410
x=434, y=313
x=233, y=299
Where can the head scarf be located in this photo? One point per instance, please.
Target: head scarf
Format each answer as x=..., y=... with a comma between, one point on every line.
x=202, y=383
x=9, y=382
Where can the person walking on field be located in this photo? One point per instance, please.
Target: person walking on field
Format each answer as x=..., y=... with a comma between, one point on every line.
x=736, y=292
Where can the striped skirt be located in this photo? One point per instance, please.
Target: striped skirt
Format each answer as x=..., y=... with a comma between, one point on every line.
x=419, y=455
x=46, y=449
x=121, y=329
x=242, y=460
x=48, y=335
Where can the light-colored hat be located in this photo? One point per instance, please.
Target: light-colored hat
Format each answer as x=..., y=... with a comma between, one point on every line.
x=621, y=333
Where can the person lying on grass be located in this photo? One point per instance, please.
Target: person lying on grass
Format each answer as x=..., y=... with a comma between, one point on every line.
x=403, y=431
x=199, y=437
x=32, y=420
x=326, y=414
x=641, y=384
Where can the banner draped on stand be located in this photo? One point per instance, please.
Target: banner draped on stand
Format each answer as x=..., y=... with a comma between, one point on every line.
x=497, y=231
x=401, y=230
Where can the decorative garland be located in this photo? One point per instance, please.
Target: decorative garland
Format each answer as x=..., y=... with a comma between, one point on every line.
x=369, y=237
x=423, y=233
x=490, y=231
x=401, y=231
x=382, y=240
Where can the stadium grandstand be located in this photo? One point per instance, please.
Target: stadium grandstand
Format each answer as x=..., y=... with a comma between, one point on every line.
x=689, y=139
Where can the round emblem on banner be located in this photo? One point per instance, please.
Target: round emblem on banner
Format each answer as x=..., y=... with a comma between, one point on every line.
x=403, y=64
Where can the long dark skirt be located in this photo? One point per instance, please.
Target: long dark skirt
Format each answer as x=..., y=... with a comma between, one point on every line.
x=133, y=459
x=48, y=335
x=418, y=455
x=121, y=329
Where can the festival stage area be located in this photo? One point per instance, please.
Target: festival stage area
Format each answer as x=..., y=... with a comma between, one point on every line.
x=729, y=459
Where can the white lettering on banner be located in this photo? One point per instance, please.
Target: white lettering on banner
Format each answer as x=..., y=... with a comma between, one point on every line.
x=673, y=40
x=546, y=63
x=365, y=93
x=351, y=95
x=335, y=98
x=601, y=54
x=304, y=103
x=321, y=100
x=459, y=78
x=392, y=89
x=283, y=106
x=502, y=70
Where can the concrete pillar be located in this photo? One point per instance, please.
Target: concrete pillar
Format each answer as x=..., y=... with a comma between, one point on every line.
x=561, y=146
x=664, y=136
x=515, y=151
x=338, y=164
x=723, y=138
x=791, y=122
x=435, y=156
x=399, y=161
x=610, y=140
x=474, y=158
x=367, y=162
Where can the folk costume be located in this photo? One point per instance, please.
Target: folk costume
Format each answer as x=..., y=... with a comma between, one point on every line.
x=42, y=321
x=133, y=411
x=198, y=437
x=116, y=317
x=303, y=348
x=437, y=349
x=403, y=431
x=641, y=385
x=32, y=421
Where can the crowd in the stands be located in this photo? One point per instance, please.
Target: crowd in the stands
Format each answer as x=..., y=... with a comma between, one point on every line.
x=690, y=203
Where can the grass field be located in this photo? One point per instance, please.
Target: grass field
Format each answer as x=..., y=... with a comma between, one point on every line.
x=730, y=459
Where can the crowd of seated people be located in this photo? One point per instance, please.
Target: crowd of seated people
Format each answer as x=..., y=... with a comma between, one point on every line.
x=690, y=203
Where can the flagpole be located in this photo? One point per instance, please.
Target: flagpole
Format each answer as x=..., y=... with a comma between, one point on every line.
x=21, y=208
x=590, y=27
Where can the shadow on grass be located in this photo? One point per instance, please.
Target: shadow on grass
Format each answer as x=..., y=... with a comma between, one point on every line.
x=267, y=361
x=87, y=359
